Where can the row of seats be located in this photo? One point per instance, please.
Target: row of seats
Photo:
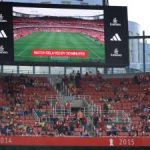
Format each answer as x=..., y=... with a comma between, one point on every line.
x=19, y=21
x=26, y=110
x=130, y=95
x=23, y=31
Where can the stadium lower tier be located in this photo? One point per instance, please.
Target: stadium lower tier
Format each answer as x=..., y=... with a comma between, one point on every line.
x=28, y=39
x=32, y=106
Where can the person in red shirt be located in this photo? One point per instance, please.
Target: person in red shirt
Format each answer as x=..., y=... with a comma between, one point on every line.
x=67, y=107
x=58, y=107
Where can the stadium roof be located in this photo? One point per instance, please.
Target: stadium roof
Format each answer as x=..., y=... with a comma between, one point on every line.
x=57, y=12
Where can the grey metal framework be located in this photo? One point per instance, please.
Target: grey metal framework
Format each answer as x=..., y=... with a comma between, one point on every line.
x=143, y=37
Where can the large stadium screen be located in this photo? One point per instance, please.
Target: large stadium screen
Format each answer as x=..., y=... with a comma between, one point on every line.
x=63, y=36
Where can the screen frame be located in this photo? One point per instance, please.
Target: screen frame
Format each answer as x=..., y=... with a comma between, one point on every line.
x=67, y=64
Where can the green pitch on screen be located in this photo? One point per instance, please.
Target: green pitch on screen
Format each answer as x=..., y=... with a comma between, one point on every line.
x=58, y=40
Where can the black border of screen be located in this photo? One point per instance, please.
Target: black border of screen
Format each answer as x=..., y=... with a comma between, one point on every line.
x=65, y=64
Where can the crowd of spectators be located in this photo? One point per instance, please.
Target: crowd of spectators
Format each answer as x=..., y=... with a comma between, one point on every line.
x=21, y=32
x=26, y=26
x=21, y=94
x=128, y=94
x=54, y=21
x=26, y=110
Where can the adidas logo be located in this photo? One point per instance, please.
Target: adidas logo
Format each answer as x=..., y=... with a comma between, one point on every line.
x=116, y=37
x=3, y=34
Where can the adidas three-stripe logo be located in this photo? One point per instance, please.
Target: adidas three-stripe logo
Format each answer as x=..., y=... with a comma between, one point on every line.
x=116, y=37
x=3, y=34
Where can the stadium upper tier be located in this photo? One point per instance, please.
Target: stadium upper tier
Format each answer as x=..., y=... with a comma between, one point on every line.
x=25, y=26
x=99, y=24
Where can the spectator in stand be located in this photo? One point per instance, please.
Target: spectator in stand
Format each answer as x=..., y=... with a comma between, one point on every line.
x=58, y=107
x=101, y=127
x=90, y=76
x=134, y=130
x=98, y=76
x=106, y=108
x=71, y=128
x=84, y=123
x=67, y=107
x=60, y=127
x=77, y=123
x=146, y=127
x=86, y=76
x=136, y=80
x=95, y=120
x=72, y=76
x=58, y=83
x=77, y=79
x=65, y=79
x=80, y=115
x=114, y=131
x=124, y=128
x=66, y=128
x=109, y=129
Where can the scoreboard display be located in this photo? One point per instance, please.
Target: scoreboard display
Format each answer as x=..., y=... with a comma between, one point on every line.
x=62, y=35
